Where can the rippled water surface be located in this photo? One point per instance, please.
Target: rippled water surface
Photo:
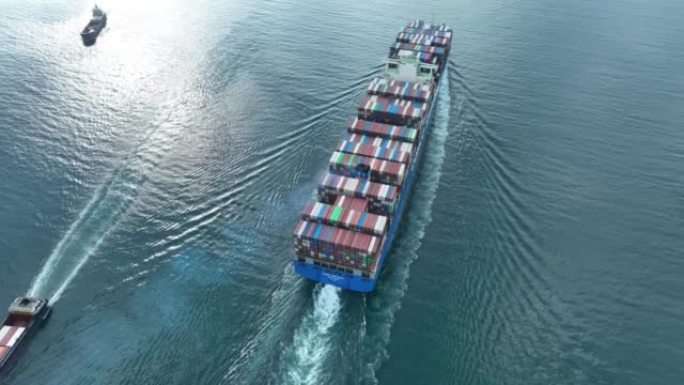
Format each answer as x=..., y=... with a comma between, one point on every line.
x=150, y=183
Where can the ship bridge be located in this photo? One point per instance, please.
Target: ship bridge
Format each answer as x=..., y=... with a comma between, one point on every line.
x=408, y=67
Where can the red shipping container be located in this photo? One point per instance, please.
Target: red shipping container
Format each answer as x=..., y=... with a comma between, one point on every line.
x=336, y=239
x=342, y=201
x=358, y=204
x=348, y=240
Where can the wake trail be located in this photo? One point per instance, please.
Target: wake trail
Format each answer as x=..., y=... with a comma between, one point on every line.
x=380, y=311
x=85, y=235
x=104, y=210
x=305, y=357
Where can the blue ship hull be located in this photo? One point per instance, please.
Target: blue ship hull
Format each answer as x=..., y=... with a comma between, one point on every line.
x=318, y=273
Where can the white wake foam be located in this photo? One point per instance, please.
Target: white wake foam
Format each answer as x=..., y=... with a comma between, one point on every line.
x=311, y=344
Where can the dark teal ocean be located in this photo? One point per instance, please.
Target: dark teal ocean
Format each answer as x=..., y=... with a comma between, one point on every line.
x=149, y=186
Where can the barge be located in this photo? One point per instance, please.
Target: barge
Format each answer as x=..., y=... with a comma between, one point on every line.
x=24, y=316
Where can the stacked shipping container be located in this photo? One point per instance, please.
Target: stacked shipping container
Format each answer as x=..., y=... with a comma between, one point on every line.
x=437, y=51
x=378, y=170
x=376, y=147
x=404, y=90
x=352, y=249
x=358, y=188
x=347, y=218
x=381, y=130
x=391, y=110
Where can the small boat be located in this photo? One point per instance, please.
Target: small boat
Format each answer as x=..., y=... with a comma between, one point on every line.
x=24, y=316
x=94, y=27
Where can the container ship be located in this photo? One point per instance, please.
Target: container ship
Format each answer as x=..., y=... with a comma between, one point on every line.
x=345, y=233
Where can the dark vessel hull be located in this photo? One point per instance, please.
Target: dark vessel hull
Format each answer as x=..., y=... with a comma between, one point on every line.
x=92, y=31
